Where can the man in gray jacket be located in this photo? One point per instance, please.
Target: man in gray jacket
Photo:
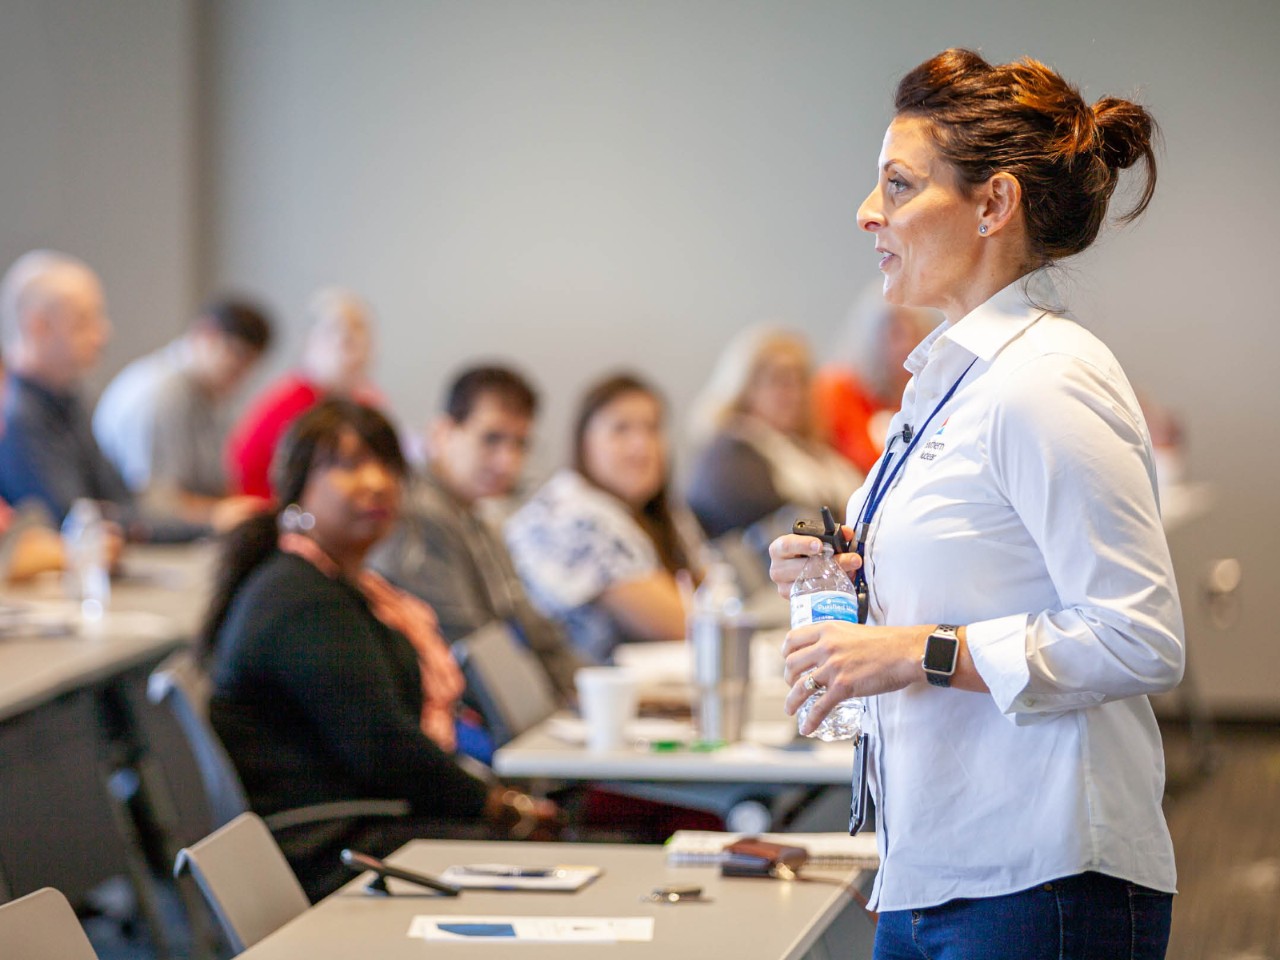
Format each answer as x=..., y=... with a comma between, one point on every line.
x=443, y=551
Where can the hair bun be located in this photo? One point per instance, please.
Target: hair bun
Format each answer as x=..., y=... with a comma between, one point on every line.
x=1126, y=131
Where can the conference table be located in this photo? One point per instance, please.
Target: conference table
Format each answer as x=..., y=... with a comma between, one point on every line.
x=667, y=750
x=758, y=918
x=66, y=690
x=769, y=777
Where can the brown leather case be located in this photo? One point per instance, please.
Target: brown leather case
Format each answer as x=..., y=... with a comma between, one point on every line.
x=753, y=857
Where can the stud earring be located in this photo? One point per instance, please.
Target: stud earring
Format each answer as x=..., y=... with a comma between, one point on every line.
x=983, y=229
x=293, y=519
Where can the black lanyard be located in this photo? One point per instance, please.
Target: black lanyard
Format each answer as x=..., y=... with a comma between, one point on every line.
x=881, y=486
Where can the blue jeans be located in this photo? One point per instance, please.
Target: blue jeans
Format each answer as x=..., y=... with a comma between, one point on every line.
x=1089, y=916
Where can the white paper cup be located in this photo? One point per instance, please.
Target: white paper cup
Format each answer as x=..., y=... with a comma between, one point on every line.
x=607, y=699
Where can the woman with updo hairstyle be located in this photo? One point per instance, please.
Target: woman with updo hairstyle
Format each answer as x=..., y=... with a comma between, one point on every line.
x=331, y=685
x=1021, y=603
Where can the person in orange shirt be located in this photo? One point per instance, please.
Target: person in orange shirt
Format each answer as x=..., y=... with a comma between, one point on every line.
x=857, y=394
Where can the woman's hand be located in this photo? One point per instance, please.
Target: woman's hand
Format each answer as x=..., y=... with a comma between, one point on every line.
x=849, y=660
x=518, y=816
x=787, y=556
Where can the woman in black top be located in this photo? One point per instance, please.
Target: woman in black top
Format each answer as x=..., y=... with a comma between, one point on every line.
x=328, y=683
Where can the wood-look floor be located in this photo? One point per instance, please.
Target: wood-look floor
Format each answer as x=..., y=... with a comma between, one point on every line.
x=1226, y=837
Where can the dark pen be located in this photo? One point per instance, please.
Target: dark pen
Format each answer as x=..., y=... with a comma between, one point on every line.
x=501, y=870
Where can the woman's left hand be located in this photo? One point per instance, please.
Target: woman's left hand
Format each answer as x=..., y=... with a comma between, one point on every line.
x=849, y=660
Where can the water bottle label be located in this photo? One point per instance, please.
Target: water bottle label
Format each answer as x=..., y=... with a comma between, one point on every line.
x=823, y=605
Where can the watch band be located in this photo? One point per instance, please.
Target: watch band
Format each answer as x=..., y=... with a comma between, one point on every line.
x=941, y=654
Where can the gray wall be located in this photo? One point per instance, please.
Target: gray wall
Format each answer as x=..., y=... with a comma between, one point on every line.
x=97, y=153
x=579, y=186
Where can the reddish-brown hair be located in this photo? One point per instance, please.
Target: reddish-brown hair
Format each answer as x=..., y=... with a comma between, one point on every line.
x=1024, y=119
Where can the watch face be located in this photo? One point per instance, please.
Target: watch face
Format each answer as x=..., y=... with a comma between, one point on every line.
x=940, y=654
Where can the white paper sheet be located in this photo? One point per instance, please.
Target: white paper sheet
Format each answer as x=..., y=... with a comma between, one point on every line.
x=490, y=929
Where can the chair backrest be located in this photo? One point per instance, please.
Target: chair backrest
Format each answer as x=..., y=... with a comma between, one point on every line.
x=506, y=680
x=182, y=687
x=42, y=926
x=250, y=886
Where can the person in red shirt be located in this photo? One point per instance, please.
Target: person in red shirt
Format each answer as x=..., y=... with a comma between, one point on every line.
x=335, y=362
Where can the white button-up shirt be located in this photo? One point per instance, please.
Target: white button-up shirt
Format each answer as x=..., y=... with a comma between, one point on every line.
x=1027, y=511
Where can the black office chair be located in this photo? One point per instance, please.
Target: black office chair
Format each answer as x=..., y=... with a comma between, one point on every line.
x=190, y=785
x=180, y=686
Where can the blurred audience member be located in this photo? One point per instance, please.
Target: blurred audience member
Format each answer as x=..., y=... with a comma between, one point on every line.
x=443, y=551
x=760, y=463
x=335, y=362
x=55, y=325
x=600, y=545
x=162, y=421
x=27, y=549
x=860, y=389
x=1168, y=441
x=329, y=683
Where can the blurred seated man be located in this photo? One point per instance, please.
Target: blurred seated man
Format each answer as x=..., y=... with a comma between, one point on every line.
x=335, y=363
x=443, y=551
x=163, y=420
x=26, y=548
x=55, y=325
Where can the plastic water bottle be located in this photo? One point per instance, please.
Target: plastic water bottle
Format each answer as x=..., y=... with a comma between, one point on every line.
x=824, y=592
x=84, y=538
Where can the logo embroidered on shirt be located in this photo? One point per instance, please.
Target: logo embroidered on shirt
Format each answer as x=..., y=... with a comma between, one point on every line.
x=932, y=448
x=935, y=447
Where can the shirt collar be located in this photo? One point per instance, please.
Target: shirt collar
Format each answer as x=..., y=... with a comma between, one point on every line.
x=431, y=478
x=984, y=330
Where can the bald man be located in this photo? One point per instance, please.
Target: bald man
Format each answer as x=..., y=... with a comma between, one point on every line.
x=54, y=323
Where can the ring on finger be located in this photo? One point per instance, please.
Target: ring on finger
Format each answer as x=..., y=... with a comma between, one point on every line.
x=811, y=684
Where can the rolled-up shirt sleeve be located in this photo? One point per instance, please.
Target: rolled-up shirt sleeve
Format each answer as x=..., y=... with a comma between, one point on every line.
x=1068, y=448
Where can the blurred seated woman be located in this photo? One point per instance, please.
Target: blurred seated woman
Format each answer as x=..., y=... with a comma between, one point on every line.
x=858, y=392
x=599, y=546
x=329, y=684
x=760, y=462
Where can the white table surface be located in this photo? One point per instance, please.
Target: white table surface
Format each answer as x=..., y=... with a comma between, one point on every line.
x=769, y=753
x=155, y=607
x=36, y=670
x=755, y=918
x=554, y=749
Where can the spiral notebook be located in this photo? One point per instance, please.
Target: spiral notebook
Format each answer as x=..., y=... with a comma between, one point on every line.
x=688, y=848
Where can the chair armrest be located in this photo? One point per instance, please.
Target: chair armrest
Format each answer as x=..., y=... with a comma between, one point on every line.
x=337, y=810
